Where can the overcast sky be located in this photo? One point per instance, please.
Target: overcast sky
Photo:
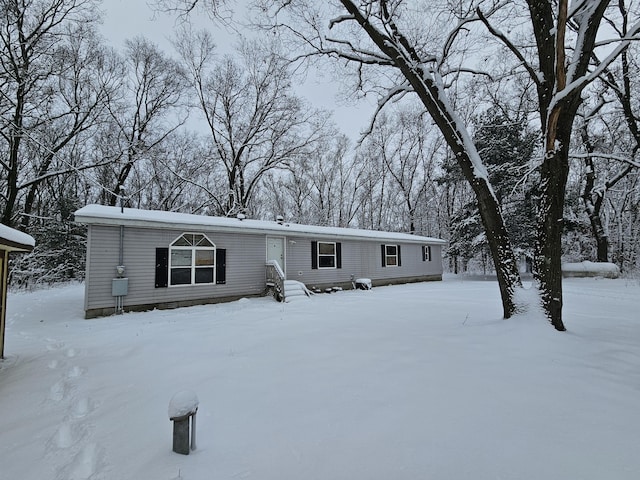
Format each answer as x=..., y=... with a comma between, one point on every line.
x=125, y=19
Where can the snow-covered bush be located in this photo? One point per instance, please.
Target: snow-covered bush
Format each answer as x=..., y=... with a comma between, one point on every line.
x=59, y=255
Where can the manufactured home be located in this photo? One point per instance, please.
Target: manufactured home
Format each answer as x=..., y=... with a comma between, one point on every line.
x=141, y=259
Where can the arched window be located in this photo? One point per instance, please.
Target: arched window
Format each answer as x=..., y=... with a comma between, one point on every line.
x=192, y=258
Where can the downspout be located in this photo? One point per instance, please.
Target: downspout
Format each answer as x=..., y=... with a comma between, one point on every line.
x=121, y=250
x=120, y=284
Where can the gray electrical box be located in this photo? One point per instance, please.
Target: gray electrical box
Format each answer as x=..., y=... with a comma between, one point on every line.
x=119, y=287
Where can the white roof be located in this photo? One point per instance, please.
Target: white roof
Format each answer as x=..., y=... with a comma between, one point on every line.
x=15, y=239
x=103, y=215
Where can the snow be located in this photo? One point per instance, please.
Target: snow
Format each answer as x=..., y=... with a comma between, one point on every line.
x=409, y=381
x=15, y=236
x=185, y=402
x=100, y=214
x=587, y=268
x=294, y=289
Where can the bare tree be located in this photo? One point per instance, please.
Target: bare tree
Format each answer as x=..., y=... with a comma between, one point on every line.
x=148, y=110
x=217, y=9
x=619, y=83
x=52, y=88
x=402, y=141
x=88, y=78
x=333, y=183
x=256, y=123
x=168, y=179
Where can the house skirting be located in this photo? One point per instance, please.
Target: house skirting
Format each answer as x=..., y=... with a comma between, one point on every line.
x=106, y=311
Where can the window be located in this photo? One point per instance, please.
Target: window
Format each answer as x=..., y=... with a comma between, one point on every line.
x=426, y=253
x=391, y=256
x=326, y=255
x=192, y=260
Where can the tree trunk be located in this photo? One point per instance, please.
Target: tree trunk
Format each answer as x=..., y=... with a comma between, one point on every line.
x=15, y=138
x=502, y=254
x=558, y=104
x=593, y=212
x=547, y=262
x=548, y=248
x=430, y=89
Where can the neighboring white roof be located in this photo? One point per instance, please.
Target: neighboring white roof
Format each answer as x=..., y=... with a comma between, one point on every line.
x=16, y=239
x=103, y=215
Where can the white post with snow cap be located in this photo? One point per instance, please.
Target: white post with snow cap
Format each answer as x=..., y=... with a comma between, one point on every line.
x=183, y=405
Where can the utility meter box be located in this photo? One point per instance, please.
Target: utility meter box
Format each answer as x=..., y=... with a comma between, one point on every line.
x=119, y=287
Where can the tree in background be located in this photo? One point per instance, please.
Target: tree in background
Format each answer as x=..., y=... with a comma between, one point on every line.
x=609, y=153
x=54, y=82
x=147, y=110
x=59, y=254
x=256, y=123
x=323, y=188
x=403, y=144
x=507, y=146
x=169, y=179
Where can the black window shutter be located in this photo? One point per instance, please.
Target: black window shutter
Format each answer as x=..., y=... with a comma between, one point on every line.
x=338, y=255
x=399, y=257
x=424, y=253
x=314, y=255
x=384, y=251
x=162, y=267
x=221, y=265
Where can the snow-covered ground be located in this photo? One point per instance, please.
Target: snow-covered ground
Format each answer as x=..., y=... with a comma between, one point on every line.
x=419, y=381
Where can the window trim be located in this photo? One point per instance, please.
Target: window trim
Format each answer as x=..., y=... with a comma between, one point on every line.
x=193, y=267
x=387, y=256
x=426, y=253
x=334, y=255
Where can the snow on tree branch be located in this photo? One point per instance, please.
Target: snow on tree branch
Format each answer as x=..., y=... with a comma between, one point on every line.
x=393, y=95
x=340, y=19
x=619, y=157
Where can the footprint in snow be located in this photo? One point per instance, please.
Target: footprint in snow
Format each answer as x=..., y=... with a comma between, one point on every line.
x=52, y=347
x=67, y=435
x=85, y=465
x=75, y=372
x=58, y=391
x=72, y=352
x=82, y=407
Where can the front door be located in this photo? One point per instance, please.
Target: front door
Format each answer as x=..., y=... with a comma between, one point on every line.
x=275, y=250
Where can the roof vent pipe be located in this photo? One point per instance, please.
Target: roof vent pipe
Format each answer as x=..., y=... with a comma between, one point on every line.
x=120, y=194
x=241, y=216
x=280, y=219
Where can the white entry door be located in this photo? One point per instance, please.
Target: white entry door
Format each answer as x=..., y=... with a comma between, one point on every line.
x=275, y=250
